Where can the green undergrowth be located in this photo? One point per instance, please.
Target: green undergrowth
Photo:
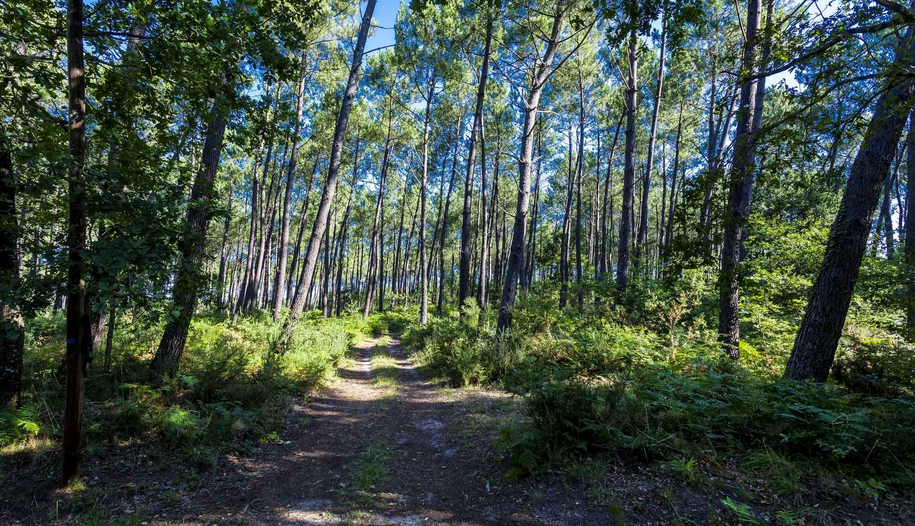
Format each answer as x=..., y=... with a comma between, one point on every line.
x=648, y=381
x=229, y=394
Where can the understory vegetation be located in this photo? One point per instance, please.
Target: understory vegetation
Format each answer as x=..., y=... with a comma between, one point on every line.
x=647, y=380
x=230, y=394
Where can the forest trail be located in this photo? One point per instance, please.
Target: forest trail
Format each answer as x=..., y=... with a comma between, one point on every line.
x=385, y=446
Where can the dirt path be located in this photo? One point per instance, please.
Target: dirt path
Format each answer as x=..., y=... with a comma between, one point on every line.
x=384, y=446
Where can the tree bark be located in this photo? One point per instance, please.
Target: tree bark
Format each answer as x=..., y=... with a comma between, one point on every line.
x=303, y=218
x=607, y=213
x=622, y=272
x=333, y=175
x=465, y=271
x=376, y=244
x=531, y=105
x=817, y=339
x=79, y=337
x=740, y=177
x=12, y=328
x=424, y=181
x=909, y=249
x=642, y=234
x=193, y=244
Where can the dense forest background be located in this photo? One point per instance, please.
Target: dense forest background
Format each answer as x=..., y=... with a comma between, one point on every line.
x=677, y=230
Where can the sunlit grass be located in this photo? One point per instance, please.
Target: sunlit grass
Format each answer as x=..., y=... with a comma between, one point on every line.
x=384, y=367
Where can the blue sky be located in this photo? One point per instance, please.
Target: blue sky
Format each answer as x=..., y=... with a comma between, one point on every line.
x=385, y=12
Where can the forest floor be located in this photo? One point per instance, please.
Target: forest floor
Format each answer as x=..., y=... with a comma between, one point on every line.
x=386, y=445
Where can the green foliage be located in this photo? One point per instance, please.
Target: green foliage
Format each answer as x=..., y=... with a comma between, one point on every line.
x=19, y=424
x=230, y=391
x=593, y=384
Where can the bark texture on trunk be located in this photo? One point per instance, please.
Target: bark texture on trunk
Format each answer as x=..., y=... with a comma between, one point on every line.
x=12, y=332
x=910, y=229
x=740, y=177
x=193, y=245
x=79, y=333
x=279, y=283
x=817, y=339
x=622, y=269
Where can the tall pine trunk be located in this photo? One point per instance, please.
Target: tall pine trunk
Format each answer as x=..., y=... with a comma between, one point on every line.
x=531, y=105
x=817, y=339
x=12, y=333
x=79, y=337
x=740, y=177
x=622, y=272
x=333, y=175
x=279, y=283
x=642, y=235
x=193, y=244
x=465, y=272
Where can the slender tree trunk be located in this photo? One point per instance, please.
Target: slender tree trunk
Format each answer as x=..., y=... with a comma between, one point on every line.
x=279, y=283
x=79, y=337
x=757, y=119
x=531, y=105
x=485, y=225
x=622, y=273
x=817, y=339
x=465, y=273
x=440, y=304
x=223, y=256
x=333, y=174
x=741, y=176
x=376, y=243
x=673, y=191
x=566, y=230
x=303, y=218
x=642, y=234
x=423, y=259
x=580, y=168
x=528, y=275
x=606, y=244
x=909, y=248
x=109, y=341
x=12, y=328
x=252, y=234
x=888, y=218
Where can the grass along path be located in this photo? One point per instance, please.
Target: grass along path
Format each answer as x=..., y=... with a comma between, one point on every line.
x=386, y=445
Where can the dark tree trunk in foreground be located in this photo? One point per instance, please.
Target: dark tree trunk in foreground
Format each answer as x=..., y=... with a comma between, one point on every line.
x=12, y=334
x=465, y=271
x=516, y=254
x=79, y=337
x=817, y=339
x=910, y=229
x=193, y=245
x=740, y=177
x=333, y=175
